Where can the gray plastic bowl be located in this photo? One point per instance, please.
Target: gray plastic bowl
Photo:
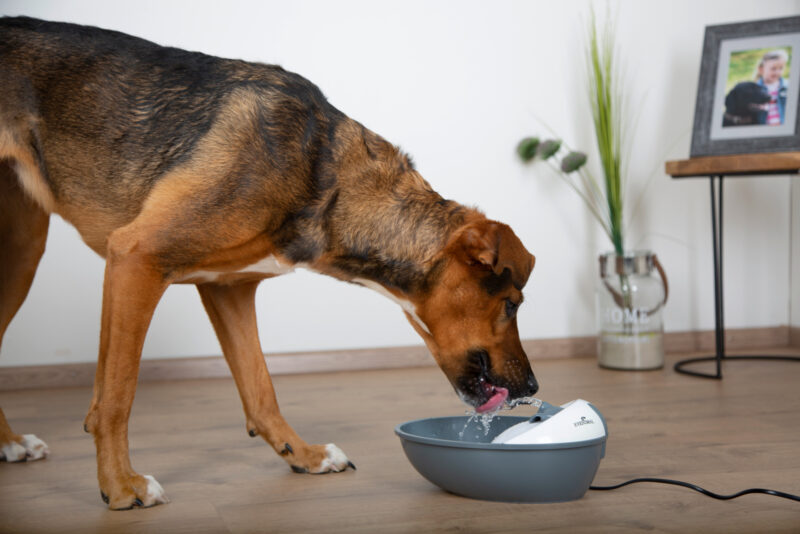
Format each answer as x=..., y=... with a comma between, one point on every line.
x=474, y=467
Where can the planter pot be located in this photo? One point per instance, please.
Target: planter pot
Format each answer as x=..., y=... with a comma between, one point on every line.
x=631, y=294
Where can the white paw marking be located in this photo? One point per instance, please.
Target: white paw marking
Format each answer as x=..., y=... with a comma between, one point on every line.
x=35, y=448
x=30, y=448
x=155, y=493
x=335, y=460
x=13, y=452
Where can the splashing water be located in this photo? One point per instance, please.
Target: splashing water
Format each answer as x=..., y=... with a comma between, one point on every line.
x=486, y=417
x=530, y=401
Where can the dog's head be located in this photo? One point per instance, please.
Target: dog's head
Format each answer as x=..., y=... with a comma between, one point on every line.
x=746, y=99
x=469, y=315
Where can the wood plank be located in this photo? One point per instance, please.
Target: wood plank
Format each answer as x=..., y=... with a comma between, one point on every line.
x=726, y=436
x=739, y=164
x=794, y=337
x=82, y=374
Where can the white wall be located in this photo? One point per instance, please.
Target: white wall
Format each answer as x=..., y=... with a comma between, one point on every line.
x=456, y=84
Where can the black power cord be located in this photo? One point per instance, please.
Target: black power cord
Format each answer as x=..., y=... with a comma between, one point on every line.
x=699, y=489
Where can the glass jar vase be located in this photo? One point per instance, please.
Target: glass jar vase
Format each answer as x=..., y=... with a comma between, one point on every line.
x=630, y=298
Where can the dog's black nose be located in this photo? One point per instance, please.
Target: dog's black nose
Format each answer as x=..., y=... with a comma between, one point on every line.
x=533, y=386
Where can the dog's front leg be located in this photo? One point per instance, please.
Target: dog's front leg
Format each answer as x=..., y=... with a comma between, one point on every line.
x=132, y=288
x=232, y=312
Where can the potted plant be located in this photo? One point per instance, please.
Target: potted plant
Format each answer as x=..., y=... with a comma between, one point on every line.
x=629, y=295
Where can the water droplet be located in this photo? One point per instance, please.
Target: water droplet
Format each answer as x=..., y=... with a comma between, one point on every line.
x=486, y=417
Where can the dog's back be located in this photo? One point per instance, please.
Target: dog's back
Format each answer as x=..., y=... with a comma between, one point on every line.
x=109, y=86
x=96, y=117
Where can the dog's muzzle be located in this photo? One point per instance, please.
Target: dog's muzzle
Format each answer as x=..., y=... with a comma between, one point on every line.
x=485, y=390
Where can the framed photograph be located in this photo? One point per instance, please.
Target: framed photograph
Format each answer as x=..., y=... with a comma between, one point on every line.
x=747, y=98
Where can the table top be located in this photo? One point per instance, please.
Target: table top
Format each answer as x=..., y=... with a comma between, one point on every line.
x=738, y=164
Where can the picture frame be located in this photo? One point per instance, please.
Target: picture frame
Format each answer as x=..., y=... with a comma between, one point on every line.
x=749, y=89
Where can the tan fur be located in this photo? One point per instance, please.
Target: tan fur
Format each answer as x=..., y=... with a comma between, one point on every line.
x=30, y=177
x=6, y=434
x=232, y=312
x=462, y=315
x=23, y=234
x=174, y=167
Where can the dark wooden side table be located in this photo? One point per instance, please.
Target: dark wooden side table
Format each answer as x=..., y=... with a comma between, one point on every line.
x=716, y=168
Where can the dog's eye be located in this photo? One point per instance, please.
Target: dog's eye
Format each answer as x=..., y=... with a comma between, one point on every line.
x=511, y=308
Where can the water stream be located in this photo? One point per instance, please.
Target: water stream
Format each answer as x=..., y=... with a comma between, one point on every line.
x=486, y=417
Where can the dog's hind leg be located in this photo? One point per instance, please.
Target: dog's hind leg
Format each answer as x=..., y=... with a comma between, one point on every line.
x=23, y=233
x=232, y=312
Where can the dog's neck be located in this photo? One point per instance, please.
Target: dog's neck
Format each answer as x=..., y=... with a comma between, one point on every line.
x=381, y=222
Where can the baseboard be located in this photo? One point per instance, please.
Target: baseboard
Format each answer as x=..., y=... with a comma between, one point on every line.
x=693, y=341
x=82, y=374
x=735, y=339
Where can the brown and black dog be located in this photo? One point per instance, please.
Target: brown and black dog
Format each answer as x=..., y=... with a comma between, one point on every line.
x=178, y=167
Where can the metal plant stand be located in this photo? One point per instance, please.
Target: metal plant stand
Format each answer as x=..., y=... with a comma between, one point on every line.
x=716, y=168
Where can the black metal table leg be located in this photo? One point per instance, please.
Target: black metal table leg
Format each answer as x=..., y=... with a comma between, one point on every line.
x=719, y=308
x=719, y=319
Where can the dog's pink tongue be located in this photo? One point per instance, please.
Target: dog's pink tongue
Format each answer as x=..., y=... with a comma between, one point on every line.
x=500, y=395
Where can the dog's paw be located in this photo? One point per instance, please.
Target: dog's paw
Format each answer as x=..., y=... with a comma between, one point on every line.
x=155, y=494
x=334, y=461
x=323, y=459
x=138, y=492
x=29, y=448
x=35, y=449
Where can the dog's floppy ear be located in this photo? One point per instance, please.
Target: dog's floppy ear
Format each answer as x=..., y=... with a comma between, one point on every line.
x=494, y=246
x=733, y=100
x=513, y=255
x=730, y=101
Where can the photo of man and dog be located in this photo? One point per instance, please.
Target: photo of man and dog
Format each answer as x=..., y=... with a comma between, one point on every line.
x=757, y=87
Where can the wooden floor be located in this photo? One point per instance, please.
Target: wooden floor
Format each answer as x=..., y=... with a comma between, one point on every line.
x=739, y=433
